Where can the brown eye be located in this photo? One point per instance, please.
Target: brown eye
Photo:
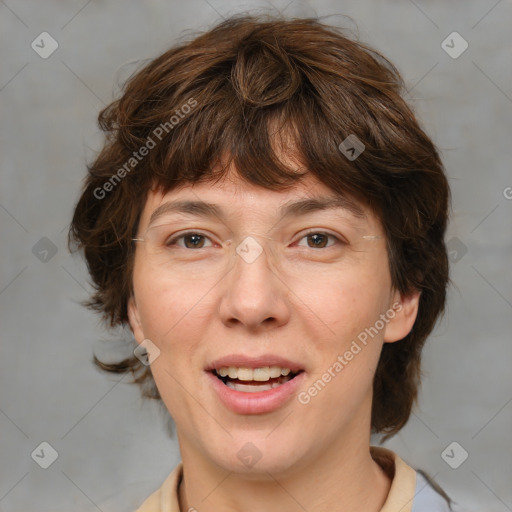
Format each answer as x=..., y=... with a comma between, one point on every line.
x=190, y=241
x=195, y=241
x=319, y=240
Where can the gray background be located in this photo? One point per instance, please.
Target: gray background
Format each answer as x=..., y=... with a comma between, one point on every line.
x=112, y=446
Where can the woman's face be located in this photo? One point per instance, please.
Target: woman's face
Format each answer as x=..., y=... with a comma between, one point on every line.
x=269, y=313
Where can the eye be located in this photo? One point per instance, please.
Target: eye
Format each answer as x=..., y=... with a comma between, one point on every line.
x=191, y=239
x=319, y=239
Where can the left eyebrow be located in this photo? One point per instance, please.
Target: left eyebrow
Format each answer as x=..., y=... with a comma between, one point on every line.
x=295, y=208
x=305, y=206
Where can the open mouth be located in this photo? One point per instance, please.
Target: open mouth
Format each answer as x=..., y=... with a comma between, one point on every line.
x=254, y=380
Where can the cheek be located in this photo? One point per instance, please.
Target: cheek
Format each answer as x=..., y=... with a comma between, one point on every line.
x=348, y=305
x=345, y=301
x=169, y=304
x=170, y=311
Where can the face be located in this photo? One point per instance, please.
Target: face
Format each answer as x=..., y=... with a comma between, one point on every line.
x=269, y=313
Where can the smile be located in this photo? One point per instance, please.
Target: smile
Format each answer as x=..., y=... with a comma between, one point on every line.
x=254, y=380
x=254, y=385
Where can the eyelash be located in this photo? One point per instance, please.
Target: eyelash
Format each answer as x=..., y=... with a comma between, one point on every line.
x=173, y=240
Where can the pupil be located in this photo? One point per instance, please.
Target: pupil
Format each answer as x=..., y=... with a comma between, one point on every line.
x=315, y=240
x=196, y=242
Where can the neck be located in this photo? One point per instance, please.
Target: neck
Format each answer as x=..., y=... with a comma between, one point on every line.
x=344, y=477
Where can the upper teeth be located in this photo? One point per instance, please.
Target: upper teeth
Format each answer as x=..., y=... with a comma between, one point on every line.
x=259, y=374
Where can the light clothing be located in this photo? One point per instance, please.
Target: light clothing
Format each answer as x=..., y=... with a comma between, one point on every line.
x=409, y=491
x=427, y=499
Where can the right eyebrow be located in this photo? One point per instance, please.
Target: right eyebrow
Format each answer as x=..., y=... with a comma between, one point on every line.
x=197, y=208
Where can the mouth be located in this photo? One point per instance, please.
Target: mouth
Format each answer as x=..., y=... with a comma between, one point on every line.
x=254, y=380
x=255, y=385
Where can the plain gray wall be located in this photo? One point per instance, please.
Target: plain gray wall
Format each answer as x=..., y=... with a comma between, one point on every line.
x=112, y=446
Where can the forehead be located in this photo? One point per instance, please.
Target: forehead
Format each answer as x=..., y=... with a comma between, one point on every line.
x=235, y=198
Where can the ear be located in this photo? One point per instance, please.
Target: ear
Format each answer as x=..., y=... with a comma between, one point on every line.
x=406, y=310
x=133, y=317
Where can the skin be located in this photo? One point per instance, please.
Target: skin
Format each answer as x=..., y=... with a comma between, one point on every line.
x=303, y=303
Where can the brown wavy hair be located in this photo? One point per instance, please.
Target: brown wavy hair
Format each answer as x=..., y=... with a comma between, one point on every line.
x=245, y=89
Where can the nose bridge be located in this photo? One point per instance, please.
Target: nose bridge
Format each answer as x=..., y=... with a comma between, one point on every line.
x=257, y=255
x=253, y=292
x=254, y=245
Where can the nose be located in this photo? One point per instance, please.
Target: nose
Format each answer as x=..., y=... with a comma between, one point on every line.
x=253, y=293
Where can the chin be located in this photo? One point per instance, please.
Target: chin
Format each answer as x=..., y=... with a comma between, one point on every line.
x=260, y=458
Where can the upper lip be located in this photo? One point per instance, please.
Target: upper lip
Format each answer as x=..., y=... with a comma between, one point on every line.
x=243, y=361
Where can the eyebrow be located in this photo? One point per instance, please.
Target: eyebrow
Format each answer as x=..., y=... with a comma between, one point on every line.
x=296, y=208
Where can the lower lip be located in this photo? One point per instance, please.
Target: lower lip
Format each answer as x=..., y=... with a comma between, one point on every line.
x=259, y=402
